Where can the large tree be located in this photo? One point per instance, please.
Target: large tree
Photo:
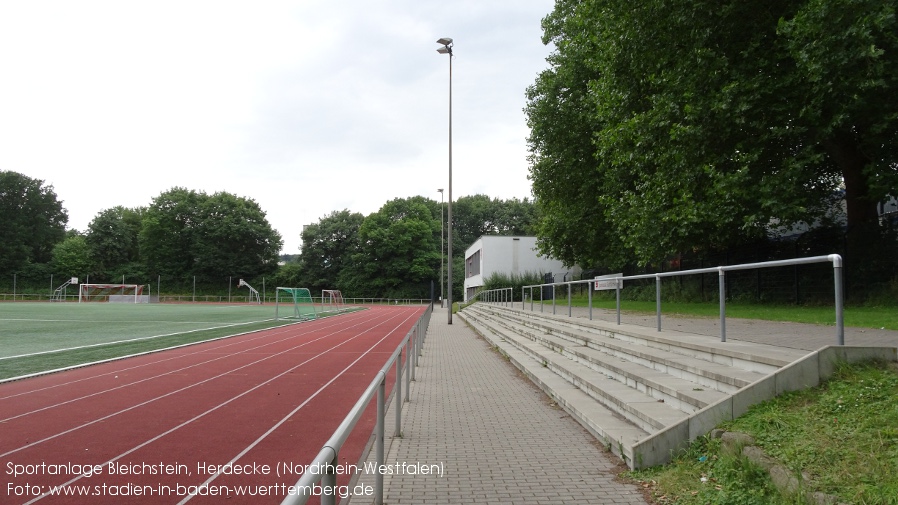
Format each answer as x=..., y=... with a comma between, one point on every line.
x=233, y=237
x=113, y=239
x=477, y=215
x=32, y=221
x=662, y=127
x=398, y=252
x=72, y=257
x=327, y=248
x=187, y=233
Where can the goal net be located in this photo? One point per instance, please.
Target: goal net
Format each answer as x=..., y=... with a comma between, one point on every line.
x=297, y=303
x=331, y=300
x=112, y=293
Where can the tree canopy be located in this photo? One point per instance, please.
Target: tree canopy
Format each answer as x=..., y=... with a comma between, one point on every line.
x=327, y=249
x=185, y=232
x=32, y=221
x=662, y=127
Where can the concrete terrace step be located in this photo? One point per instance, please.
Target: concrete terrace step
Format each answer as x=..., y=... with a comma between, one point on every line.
x=681, y=384
x=747, y=355
x=648, y=393
x=618, y=434
x=590, y=347
x=646, y=412
x=641, y=383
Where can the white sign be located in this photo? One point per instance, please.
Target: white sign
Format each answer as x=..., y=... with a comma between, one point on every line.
x=605, y=282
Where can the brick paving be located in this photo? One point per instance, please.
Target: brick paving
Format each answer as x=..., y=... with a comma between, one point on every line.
x=496, y=436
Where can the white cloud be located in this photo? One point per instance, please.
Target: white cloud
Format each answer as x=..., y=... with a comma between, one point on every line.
x=304, y=106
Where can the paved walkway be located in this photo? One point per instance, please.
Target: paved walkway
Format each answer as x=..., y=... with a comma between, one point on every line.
x=497, y=438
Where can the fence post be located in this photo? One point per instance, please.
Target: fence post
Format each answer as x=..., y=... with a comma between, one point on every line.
x=658, y=300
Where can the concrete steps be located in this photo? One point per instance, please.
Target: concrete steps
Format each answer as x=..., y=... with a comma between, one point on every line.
x=625, y=384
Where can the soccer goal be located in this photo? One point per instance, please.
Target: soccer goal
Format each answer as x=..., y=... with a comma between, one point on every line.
x=331, y=300
x=297, y=303
x=112, y=293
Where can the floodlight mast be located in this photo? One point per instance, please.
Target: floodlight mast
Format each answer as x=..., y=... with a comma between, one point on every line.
x=442, y=249
x=447, y=49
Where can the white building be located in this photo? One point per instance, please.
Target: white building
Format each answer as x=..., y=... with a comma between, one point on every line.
x=508, y=256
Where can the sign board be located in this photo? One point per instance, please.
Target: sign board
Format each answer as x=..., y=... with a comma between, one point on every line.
x=605, y=282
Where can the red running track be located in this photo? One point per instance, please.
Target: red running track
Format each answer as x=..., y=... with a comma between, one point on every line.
x=160, y=423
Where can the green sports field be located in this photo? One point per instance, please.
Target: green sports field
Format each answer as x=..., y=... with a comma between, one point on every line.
x=38, y=336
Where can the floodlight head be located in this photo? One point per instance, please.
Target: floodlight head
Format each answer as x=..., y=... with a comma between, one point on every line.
x=445, y=41
x=445, y=50
x=440, y=190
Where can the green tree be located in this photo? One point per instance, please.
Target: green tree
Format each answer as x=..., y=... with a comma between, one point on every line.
x=167, y=233
x=477, y=215
x=113, y=239
x=327, y=248
x=233, y=237
x=664, y=127
x=32, y=221
x=398, y=252
x=187, y=233
x=72, y=257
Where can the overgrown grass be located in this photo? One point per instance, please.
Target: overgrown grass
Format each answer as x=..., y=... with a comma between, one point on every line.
x=842, y=435
x=860, y=316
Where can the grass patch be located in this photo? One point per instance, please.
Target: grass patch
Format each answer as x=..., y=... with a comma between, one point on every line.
x=16, y=367
x=843, y=435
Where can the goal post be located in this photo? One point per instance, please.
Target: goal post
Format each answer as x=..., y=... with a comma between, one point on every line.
x=331, y=300
x=112, y=293
x=297, y=302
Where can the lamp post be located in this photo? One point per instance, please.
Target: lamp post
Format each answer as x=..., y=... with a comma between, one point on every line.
x=442, y=249
x=447, y=49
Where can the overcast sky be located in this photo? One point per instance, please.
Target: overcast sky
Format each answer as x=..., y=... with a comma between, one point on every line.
x=304, y=106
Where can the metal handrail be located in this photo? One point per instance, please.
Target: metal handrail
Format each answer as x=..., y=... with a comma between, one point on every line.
x=721, y=271
x=323, y=467
x=501, y=296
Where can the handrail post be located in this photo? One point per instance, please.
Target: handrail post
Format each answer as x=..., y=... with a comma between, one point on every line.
x=658, y=300
x=379, y=443
x=398, y=398
x=554, y=296
x=721, y=280
x=413, y=356
x=408, y=367
x=617, y=290
x=329, y=481
x=569, y=301
x=840, y=314
x=589, y=295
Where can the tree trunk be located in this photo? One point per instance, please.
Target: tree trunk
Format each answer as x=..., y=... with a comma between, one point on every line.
x=859, y=206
